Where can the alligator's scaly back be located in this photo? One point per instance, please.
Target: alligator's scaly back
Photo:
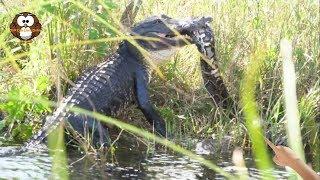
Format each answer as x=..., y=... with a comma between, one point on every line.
x=92, y=81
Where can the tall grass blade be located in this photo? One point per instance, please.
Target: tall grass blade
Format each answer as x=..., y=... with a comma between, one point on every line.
x=251, y=111
x=291, y=102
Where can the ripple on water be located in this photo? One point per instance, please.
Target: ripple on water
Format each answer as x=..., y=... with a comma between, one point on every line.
x=159, y=166
x=164, y=166
x=26, y=166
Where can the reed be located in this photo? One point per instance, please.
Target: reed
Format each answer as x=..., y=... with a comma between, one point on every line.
x=78, y=34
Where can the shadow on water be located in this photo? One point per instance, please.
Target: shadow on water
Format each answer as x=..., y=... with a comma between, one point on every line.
x=130, y=162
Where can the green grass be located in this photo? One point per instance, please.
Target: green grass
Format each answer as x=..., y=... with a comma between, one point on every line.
x=250, y=108
x=77, y=35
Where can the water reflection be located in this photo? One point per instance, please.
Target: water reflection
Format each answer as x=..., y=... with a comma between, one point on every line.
x=164, y=166
x=26, y=166
x=130, y=163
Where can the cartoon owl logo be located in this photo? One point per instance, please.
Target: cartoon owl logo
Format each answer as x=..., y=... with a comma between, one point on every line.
x=25, y=26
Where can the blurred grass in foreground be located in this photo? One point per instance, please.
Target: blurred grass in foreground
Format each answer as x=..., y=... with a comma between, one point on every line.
x=292, y=112
x=57, y=150
x=74, y=38
x=250, y=110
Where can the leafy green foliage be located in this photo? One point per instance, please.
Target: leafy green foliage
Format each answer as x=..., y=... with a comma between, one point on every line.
x=2, y=125
x=18, y=111
x=22, y=132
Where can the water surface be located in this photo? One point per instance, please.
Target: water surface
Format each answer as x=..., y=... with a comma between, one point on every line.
x=129, y=162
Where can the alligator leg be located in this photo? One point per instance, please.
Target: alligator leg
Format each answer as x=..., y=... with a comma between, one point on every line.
x=85, y=125
x=143, y=99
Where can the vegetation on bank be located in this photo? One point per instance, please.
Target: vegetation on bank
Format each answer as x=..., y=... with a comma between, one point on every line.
x=72, y=40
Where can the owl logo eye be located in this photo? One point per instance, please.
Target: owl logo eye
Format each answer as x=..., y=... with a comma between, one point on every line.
x=29, y=20
x=25, y=21
x=21, y=20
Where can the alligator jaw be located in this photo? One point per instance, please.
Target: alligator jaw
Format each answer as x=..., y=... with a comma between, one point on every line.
x=170, y=34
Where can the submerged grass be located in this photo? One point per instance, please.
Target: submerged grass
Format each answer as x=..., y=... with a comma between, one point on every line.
x=78, y=34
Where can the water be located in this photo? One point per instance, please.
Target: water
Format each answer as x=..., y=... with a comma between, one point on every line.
x=129, y=162
x=25, y=167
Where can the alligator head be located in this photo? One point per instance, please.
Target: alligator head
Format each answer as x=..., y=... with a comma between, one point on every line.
x=164, y=35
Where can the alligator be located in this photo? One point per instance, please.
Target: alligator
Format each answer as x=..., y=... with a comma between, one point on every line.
x=204, y=39
x=121, y=78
